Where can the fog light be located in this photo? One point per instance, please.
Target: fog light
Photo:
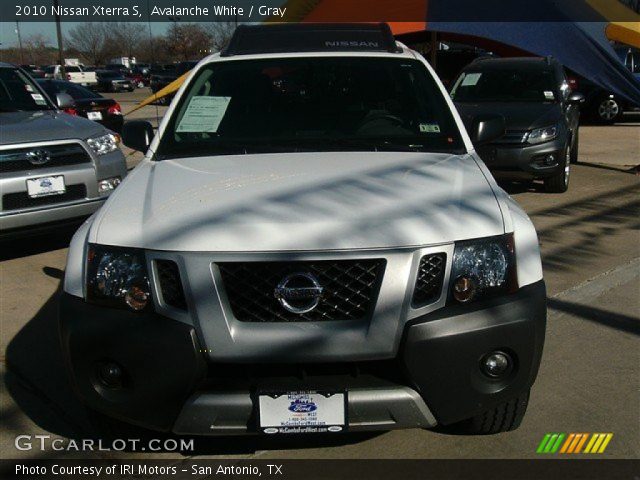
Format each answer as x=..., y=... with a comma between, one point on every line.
x=549, y=160
x=108, y=184
x=110, y=375
x=496, y=364
x=464, y=289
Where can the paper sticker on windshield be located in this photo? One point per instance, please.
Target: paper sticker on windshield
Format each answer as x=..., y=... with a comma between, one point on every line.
x=471, y=79
x=203, y=114
x=28, y=88
x=549, y=95
x=39, y=99
x=429, y=128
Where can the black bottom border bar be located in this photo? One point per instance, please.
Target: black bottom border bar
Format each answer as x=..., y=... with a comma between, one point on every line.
x=191, y=468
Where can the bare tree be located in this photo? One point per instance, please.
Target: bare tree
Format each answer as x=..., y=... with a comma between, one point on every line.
x=128, y=37
x=90, y=40
x=221, y=33
x=37, y=48
x=187, y=41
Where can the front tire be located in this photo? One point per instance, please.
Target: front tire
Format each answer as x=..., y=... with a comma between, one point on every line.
x=504, y=418
x=559, y=183
x=576, y=144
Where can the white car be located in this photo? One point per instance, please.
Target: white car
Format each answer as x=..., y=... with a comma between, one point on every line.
x=74, y=73
x=311, y=244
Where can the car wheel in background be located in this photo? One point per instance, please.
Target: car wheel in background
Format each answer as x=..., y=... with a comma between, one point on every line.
x=607, y=110
x=575, y=145
x=559, y=183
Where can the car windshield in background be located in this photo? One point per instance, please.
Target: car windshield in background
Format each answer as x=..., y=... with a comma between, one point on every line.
x=19, y=93
x=505, y=85
x=319, y=104
x=75, y=91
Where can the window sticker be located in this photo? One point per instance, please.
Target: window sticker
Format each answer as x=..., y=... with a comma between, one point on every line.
x=203, y=114
x=28, y=88
x=548, y=95
x=39, y=99
x=429, y=128
x=471, y=79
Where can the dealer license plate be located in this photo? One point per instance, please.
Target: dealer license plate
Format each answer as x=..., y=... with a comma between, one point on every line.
x=43, y=186
x=302, y=412
x=94, y=115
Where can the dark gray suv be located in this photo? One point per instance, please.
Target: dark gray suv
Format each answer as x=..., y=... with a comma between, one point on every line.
x=540, y=111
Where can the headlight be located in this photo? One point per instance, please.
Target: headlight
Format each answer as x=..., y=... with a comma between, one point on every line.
x=483, y=267
x=104, y=144
x=117, y=277
x=540, y=135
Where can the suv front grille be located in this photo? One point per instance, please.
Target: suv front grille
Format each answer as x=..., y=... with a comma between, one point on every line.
x=349, y=289
x=170, y=284
x=45, y=156
x=22, y=200
x=515, y=137
x=429, y=280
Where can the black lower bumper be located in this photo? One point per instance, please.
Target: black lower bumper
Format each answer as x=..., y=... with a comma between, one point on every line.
x=523, y=161
x=167, y=384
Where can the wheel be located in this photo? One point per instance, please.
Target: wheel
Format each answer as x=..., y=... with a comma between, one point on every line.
x=574, y=148
x=607, y=110
x=504, y=418
x=559, y=183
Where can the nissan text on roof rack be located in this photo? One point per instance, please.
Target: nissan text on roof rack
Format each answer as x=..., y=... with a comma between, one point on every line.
x=311, y=244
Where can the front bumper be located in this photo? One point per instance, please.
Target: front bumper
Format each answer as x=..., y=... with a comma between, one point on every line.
x=169, y=385
x=524, y=161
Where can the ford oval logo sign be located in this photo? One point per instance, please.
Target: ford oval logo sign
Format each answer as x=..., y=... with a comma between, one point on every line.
x=299, y=292
x=302, y=406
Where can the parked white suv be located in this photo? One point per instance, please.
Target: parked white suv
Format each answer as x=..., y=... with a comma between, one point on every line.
x=311, y=244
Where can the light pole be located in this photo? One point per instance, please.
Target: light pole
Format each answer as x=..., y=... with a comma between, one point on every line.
x=59, y=35
x=20, y=43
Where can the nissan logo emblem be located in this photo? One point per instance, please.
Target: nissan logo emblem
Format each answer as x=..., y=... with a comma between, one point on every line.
x=38, y=157
x=299, y=292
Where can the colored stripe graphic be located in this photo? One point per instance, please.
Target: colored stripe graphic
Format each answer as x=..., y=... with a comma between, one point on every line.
x=573, y=443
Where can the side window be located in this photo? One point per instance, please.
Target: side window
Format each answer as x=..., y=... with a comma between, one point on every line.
x=72, y=69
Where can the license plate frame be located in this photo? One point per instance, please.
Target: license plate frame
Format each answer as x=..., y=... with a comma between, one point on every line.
x=37, y=188
x=275, y=417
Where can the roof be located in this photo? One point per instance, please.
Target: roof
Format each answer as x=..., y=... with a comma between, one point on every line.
x=311, y=37
x=515, y=62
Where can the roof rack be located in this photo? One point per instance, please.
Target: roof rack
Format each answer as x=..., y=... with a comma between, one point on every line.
x=311, y=37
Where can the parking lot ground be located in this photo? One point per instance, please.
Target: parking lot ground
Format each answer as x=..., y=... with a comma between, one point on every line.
x=589, y=377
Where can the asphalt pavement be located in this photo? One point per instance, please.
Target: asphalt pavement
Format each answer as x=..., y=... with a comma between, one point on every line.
x=589, y=378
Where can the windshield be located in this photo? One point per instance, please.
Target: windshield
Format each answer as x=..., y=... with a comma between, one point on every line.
x=505, y=85
x=319, y=104
x=19, y=93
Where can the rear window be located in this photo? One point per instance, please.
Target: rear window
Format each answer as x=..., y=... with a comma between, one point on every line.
x=75, y=91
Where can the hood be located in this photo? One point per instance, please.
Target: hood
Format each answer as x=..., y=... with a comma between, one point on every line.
x=518, y=116
x=301, y=201
x=42, y=126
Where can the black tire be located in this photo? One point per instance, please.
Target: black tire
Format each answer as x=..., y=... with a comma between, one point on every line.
x=559, y=183
x=607, y=110
x=504, y=418
x=576, y=145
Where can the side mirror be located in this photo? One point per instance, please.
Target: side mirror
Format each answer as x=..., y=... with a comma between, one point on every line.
x=64, y=100
x=576, y=98
x=486, y=128
x=137, y=135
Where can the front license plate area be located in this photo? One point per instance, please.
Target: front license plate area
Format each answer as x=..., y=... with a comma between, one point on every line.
x=44, y=186
x=302, y=412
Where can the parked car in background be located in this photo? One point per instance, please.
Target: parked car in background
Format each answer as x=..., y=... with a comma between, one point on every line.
x=168, y=74
x=540, y=111
x=74, y=73
x=113, y=81
x=33, y=70
x=55, y=168
x=87, y=103
x=601, y=105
